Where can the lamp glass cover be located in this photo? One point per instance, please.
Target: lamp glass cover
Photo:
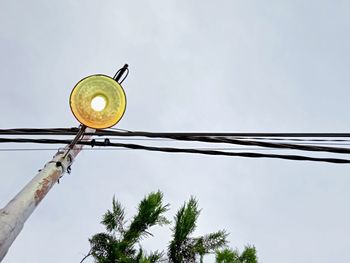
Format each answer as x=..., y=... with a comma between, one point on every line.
x=98, y=101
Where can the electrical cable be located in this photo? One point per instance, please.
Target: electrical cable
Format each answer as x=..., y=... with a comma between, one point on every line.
x=114, y=132
x=181, y=150
x=167, y=140
x=227, y=141
x=106, y=149
x=53, y=149
x=185, y=137
x=313, y=148
x=117, y=129
x=293, y=139
x=174, y=136
x=215, y=139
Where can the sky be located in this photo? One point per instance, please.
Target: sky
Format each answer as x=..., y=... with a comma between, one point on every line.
x=221, y=66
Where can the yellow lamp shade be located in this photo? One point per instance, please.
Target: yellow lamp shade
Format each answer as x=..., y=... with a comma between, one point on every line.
x=98, y=101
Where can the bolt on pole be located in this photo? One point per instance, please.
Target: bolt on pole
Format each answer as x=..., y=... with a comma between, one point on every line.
x=17, y=211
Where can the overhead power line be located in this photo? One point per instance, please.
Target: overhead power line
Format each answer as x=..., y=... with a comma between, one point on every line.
x=178, y=150
x=114, y=148
x=208, y=139
x=121, y=132
x=232, y=138
x=273, y=141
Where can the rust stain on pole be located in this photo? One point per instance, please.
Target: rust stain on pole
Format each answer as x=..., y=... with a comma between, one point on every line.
x=45, y=185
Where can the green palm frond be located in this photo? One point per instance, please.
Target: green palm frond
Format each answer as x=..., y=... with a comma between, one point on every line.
x=249, y=255
x=233, y=256
x=211, y=242
x=102, y=246
x=181, y=248
x=150, y=213
x=185, y=220
x=227, y=256
x=114, y=220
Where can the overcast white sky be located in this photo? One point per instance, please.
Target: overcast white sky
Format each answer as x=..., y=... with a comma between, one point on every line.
x=250, y=66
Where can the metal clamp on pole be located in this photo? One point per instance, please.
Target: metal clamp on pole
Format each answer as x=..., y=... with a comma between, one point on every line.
x=120, y=73
x=76, y=139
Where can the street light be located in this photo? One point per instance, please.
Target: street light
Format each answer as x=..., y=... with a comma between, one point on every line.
x=98, y=101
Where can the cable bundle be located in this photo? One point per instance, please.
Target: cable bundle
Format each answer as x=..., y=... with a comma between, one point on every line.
x=311, y=142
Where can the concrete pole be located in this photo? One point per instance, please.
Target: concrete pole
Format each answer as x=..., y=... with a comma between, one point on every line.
x=18, y=210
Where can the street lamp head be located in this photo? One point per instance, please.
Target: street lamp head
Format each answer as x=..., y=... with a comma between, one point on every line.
x=98, y=101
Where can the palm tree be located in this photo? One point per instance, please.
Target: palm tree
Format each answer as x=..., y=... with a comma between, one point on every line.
x=119, y=242
x=233, y=256
x=184, y=248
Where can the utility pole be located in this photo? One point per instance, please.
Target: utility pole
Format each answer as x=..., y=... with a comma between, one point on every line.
x=17, y=211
